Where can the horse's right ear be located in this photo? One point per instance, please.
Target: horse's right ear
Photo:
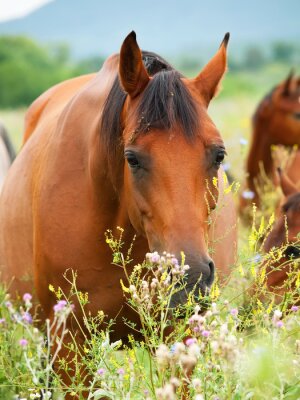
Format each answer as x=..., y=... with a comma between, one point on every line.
x=209, y=79
x=287, y=84
x=133, y=75
x=287, y=186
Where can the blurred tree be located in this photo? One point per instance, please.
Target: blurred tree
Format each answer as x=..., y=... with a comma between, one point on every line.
x=28, y=69
x=254, y=58
x=283, y=52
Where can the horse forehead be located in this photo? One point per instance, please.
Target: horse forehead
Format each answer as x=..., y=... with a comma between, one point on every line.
x=169, y=143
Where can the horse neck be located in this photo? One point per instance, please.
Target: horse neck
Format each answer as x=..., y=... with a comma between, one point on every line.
x=259, y=154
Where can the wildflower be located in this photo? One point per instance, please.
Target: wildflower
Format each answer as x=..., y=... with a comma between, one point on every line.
x=27, y=317
x=248, y=194
x=205, y=333
x=2, y=321
x=279, y=324
x=60, y=306
x=190, y=341
x=163, y=355
x=101, y=371
x=234, y=312
x=27, y=297
x=154, y=257
x=226, y=166
x=294, y=308
x=8, y=304
x=121, y=371
x=243, y=141
x=23, y=342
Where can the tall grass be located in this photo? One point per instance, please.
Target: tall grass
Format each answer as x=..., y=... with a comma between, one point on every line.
x=240, y=343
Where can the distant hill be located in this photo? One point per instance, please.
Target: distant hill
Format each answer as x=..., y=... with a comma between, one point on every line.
x=167, y=26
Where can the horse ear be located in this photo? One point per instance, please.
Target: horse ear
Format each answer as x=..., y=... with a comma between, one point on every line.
x=132, y=73
x=287, y=84
x=208, y=81
x=287, y=186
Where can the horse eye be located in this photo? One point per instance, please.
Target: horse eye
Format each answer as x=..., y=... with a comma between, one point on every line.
x=292, y=252
x=219, y=158
x=132, y=160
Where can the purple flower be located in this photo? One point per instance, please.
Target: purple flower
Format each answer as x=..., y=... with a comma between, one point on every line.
x=2, y=321
x=27, y=297
x=154, y=258
x=174, y=261
x=196, y=329
x=27, y=317
x=243, y=141
x=295, y=308
x=23, y=342
x=8, y=304
x=279, y=324
x=234, y=312
x=248, y=194
x=205, y=333
x=101, y=371
x=121, y=371
x=226, y=166
x=190, y=341
x=61, y=304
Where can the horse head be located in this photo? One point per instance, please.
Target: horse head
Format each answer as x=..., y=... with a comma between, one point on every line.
x=171, y=151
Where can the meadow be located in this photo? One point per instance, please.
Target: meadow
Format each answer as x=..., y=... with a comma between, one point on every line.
x=243, y=343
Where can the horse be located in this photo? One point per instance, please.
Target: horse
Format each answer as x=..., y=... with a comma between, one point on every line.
x=130, y=146
x=275, y=122
x=7, y=153
x=284, y=233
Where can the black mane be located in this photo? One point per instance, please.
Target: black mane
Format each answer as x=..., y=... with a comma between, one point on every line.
x=165, y=102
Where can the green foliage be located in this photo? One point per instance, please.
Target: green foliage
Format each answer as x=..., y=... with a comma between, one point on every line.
x=28, y=69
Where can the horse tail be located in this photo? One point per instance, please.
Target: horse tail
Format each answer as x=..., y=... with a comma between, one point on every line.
x=8, y=143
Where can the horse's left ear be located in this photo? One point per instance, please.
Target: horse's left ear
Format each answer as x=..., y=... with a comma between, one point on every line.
x=132, y=73
x=209, y=79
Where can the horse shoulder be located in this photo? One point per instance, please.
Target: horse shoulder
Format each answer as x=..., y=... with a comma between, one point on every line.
x=53, y=97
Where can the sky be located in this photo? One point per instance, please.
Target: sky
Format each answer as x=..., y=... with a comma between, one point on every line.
x=10, y=9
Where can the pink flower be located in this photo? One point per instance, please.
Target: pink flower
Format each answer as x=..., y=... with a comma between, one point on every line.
x=279, y=324
x=2, y=321
x=61, y=304
x=27, y=297
x=23, y=342
x=190, y=341
x=101, y=371
x=205, y=333
x=121, y=371
x=27, y=317
x=295, y=308
x=234, y=312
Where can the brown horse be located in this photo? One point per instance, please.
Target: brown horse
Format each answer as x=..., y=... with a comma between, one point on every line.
x=284, y=233
x=276, y=121
x=130, y=146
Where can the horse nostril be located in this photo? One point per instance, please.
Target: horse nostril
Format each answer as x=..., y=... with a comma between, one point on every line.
x=211, y=276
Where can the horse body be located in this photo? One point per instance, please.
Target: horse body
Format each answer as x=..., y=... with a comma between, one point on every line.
x=65, y=193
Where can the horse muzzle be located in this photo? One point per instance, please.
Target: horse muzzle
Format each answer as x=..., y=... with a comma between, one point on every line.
x=197, y=283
